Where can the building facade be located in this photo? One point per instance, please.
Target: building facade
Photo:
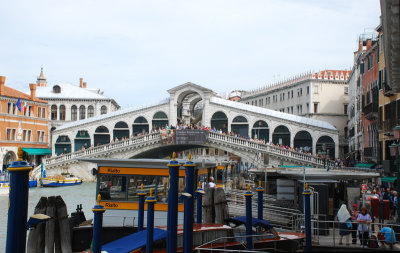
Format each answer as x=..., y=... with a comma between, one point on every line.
x=69, y=102
x=321, y=96
x=26, y=127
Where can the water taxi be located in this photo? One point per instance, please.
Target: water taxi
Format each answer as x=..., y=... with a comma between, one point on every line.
x=4, y=188
x=58, y=181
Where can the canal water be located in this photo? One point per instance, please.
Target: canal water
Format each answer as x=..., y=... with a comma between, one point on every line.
x=73, y=195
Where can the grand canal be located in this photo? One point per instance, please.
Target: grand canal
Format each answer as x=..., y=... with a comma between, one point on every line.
x=73, y=195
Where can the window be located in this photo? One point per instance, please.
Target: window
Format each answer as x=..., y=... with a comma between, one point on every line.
x=74, y=112
x=308, y=90
x=53, y=112
x=56, y=89
x=24, y=135
x=9, y=108
x=370, y=61
x=82, y=112
x=283, y=96
x=255, y=103
x=103, y=109
x=288, y=94
x=10, y=134
x=381, y=43
x=345, y=108
x=346, y=90
x=14, y=109
x=38, y=136
x=90, y=111
x=39, y=112
x=315, y=107
x=308, y=107
x=216, y=152
x=43, y=112
x=30, y=111
x=62, y=112
x=316, y=89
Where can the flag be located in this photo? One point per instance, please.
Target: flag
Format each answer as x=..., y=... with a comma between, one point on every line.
x=24, y=107
x=19, y=104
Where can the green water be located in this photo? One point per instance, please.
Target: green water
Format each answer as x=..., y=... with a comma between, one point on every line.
x=73, y=195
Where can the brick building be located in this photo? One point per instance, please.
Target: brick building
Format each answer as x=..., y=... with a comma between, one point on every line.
x=27, y=128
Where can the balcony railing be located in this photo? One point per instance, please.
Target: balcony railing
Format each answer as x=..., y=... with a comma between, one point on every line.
x=388, y=125
x=371, y=111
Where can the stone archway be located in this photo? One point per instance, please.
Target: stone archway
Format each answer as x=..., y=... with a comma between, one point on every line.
x=140, y=125
x=281, y=135
x=82, y=140
x=303, y=141
x=240, y=126
x=121, y=130
x=62, y=145
x=326, y=145
x=260, y=131
x=219, y=121
x=101, y=136
x=8, y=158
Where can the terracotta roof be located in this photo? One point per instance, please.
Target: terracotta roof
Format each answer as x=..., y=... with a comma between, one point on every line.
x=10, y=92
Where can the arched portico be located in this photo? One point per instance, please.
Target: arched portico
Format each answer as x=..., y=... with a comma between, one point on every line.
x=303, y=141
x=121, y=130
x=140, y=125
x=82, y=140
x=101, y=136
x=219, y=121
x=326, y=146
x=160, y=120
x=240, y=126
x=63, y=145
x=260, y=131
x=281, y=135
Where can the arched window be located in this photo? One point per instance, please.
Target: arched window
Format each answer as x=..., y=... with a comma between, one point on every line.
x=103, y=110
x=56, y=89
x=74, y=111
x=90, y=111
x=82, y=112
x=53, y=112
x=62, y=112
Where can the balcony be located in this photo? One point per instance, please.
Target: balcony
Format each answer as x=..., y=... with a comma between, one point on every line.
x=371, y=111
x=388, y=125
x=387, y=91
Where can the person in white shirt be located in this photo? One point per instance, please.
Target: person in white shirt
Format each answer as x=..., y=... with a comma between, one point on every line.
x=211, y=183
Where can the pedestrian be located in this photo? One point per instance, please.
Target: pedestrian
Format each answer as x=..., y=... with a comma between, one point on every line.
x=387, y=237
x=344, y=218
x=211, y=183
x=354, y=215
x=364, y=221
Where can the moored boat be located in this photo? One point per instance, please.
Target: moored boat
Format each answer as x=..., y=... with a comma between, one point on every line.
x=58, y=181
x=4, y=188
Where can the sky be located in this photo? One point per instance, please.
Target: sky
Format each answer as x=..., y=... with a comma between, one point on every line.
x=135, y=50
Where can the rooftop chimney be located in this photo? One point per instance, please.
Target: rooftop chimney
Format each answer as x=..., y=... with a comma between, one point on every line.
x=369, y=44
x=84, y=85
x=81, y=82
x=2, y=81
x=32, y=86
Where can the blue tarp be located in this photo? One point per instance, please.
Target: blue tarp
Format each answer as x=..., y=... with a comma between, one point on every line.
x=256, y=222
x=133, y=241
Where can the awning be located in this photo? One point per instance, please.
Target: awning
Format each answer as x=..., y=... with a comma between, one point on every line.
x=365, y=165
x=37, y=151
x=389, y=179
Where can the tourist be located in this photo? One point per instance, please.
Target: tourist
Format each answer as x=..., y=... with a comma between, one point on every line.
x=354, y=215
x=364, y=221
x=343, y=216
x=211, y=183
x=387, y=237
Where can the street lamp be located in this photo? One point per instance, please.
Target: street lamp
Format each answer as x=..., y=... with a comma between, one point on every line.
x=395, y=152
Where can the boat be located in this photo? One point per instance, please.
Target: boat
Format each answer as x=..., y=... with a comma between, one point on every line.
x=214, y=237
x=4, y=188
x=57, y=181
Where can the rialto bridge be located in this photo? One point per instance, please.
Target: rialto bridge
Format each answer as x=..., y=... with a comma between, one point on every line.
x=134, y=132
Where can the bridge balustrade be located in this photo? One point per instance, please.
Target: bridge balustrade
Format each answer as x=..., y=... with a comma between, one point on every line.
x=212, y=136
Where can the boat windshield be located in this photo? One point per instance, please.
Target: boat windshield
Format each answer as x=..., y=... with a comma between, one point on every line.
x=126, y=187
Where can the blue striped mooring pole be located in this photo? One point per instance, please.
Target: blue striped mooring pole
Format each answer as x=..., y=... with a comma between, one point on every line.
x=188, y=207
x=199, y=212
x=307, y=217
x=141, y=194
x=98, y=211
x=249, y=219
x=260, y=191
x=150, y=222
x=17, y=205
x=172, y=216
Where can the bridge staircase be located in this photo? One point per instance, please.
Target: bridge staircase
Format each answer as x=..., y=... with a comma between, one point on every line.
x=138, y=144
